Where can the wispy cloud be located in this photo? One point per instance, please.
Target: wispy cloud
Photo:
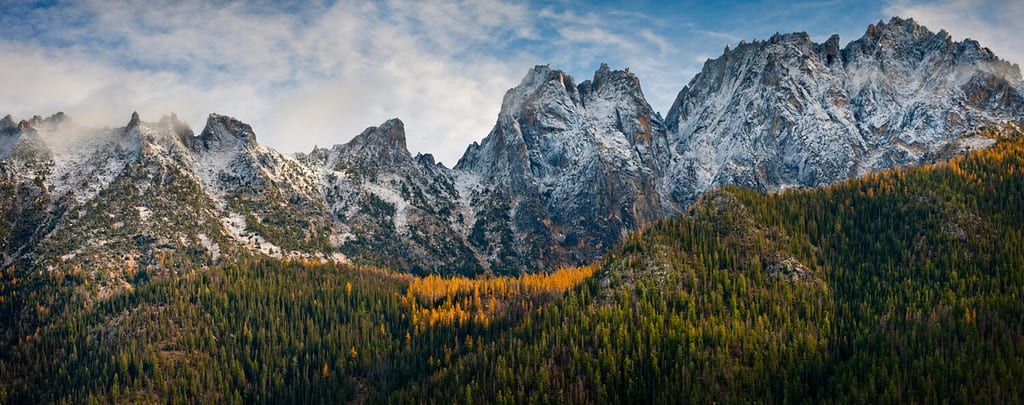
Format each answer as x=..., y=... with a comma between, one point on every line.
x=731, y=38
x=316, y=76
x=320, y=72
x=301, y=79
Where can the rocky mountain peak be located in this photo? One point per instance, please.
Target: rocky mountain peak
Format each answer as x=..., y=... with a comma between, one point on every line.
x=540, y=88
x=223, y=132
x=605, y=75
x=387, y=137
x=831, y=50
x=611, y=84
x=545, y=104
x=58, y=118
x=376, y=150
x=793, y=38
x=565, y=171
x=134, y=121
x=8, y=123
x=38, y=123
x=179, y=128
x=901, y=40
x=791, y=113
x=542, y=74
x=568, y=167
x=426, y=160
x=897, y=28
x=547, y=116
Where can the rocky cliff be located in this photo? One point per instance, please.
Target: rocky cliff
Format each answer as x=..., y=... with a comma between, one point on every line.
x=566, y=171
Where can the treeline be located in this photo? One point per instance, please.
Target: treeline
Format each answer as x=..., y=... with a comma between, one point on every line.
x=902, y=286
x=898, y=287
x=435, y=300
x=257, y=331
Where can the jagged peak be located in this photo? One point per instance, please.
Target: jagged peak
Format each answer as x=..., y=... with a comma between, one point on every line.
x=427, y=160
x=57, y=118
x=542, y=74
x=899, y=34
x=182, y=129
x=37, y=122
x=833, y=41
x=134, y=121
x=377, y=147
x=8, y=122
x=895, y=32
x=223, y=130
x=831, y=50
x=605, y=75
x=538, y=74
x=612, y=84
x=171, y=120
x=801, y=38
x=896, y=25
x=389, y=135
x=540, y=83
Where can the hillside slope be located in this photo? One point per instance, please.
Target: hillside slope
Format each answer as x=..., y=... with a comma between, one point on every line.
x=567, y=171
x=901, y=286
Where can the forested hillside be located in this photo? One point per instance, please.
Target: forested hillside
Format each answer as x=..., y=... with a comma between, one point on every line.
x=902, y=286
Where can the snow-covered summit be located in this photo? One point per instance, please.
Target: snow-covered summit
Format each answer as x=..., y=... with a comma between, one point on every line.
x=566, y=171
x=223, y=132
x=788, y=112
x=377, y=148
x=567, y=167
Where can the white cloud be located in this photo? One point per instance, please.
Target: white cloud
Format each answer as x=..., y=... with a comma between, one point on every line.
x=996, y=24
x=594, y=36
x=300, y=80
x=92, y=93
x=322, y=75
x=409, y=63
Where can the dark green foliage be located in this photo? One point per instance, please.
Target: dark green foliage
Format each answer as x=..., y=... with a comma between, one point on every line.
x=255, y=332
x=161, y=237
x=898, y=287
x=23, y=215
x=292, y=227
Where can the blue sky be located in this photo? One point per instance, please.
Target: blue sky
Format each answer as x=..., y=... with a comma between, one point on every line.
x=307, y=73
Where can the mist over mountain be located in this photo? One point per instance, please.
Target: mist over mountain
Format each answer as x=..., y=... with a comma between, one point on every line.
x=809, y=222
x=566, y=172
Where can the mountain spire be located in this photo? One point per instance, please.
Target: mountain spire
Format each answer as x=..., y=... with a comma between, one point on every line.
x=134, y=121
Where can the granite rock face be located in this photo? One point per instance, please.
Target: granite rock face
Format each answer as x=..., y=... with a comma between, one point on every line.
x=788, y=112
x=567, y=170
x=390, y=208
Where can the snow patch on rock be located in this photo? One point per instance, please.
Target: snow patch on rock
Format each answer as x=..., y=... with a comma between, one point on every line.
x=212, y=248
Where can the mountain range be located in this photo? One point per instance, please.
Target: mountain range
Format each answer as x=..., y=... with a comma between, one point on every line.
x=568, y=170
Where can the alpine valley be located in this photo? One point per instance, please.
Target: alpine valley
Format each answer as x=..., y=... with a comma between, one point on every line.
x=594, y=250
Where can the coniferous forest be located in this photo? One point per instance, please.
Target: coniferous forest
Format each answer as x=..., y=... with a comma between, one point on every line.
x=901, y=286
